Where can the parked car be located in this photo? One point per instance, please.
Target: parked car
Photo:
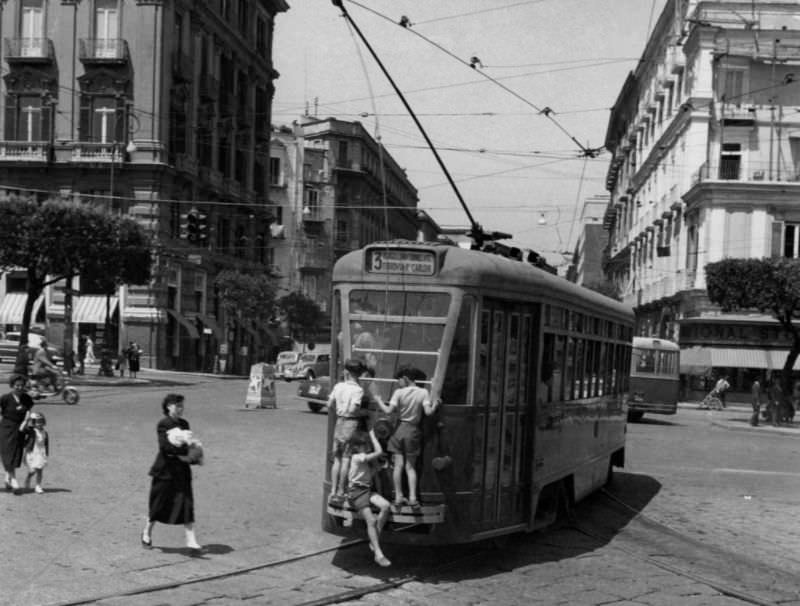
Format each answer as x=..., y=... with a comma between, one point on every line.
x=10, y=344
x=309, y=366
x=315, y=392
x=285, y=360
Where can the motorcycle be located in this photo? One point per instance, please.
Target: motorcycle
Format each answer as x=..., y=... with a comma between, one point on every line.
x=39, y=388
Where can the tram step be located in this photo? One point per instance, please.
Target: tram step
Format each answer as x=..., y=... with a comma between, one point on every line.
x=426, y=514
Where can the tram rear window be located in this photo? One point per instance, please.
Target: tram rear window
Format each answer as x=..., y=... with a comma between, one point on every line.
x=399, y=303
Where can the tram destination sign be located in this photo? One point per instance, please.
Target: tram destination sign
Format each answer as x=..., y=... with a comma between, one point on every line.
x=398, y=261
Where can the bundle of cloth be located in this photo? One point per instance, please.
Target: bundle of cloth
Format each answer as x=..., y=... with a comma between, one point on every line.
x=185, y=437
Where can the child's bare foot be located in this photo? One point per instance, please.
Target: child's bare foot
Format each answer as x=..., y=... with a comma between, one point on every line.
x=382, y=560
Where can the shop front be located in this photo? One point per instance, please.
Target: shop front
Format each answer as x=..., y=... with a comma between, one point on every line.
x=741, y=347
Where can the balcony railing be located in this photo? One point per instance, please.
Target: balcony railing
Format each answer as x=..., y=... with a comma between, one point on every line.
x=24, y=151
x=29, y=50
x=103, y=50
x=90, y=151
x=733, y=168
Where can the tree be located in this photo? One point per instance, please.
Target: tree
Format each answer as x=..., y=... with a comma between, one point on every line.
x=770, y=286
x=243, y=295
x=59, y=240
x=303, y=316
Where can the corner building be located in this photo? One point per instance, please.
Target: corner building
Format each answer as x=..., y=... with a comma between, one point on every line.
x=157, y=109
x=705, y=144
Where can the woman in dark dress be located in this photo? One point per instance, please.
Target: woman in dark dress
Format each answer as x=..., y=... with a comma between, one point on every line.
x=171, y=498
x=15, y=409
x=133, y=353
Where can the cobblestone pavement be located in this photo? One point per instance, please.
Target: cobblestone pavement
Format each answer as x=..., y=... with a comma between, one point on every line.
x=260, y=504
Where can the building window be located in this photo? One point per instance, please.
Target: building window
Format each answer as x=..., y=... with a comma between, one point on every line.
x=243, y=20
x=730, y=161
x=733, y=86
x=791, y=240
x=32, y=28
x=261, y=35
x=311, y=203
x=343, y=160
x=274, y=171
x=106, y=28
x=27, y=119
x=102, y=119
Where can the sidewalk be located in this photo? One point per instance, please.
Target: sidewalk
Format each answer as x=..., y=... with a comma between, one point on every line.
x=736, y=416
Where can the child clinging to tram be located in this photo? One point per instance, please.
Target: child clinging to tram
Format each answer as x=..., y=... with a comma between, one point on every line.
x=410, y=401
x=361, y=492
x=346, y=397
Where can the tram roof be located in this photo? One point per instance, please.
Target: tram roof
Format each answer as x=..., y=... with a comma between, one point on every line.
x=494, y=273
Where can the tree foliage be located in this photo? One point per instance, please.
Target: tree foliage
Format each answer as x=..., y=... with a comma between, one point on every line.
x=56, y=239
x=245, y=295
x=303, y=316
x=771, y=286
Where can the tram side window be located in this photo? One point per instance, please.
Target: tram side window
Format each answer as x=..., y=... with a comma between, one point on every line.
x=547, y=371
x=456, y=376
x=569, y=370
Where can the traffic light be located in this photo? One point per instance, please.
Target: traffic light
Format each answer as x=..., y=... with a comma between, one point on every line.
x=202, y=227
x=190, y=223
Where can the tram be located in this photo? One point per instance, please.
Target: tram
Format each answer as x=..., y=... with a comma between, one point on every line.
x=532, y=372
x=655, y=379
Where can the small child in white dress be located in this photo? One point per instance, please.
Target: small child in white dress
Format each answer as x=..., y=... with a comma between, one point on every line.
x=37, y=447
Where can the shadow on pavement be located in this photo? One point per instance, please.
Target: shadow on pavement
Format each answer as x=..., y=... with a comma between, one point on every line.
x=657, y=422
x=487, y=558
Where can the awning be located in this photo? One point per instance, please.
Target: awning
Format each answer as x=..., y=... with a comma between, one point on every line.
x=697, y=360
x=13, y=306
x=91, y=309
x=188, y=324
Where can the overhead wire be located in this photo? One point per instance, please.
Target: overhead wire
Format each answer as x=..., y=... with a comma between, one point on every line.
x=547, y=112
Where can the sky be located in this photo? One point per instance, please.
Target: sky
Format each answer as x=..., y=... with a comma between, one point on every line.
x=511, y=132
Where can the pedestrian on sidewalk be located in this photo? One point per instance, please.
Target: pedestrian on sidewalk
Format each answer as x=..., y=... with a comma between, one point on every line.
x=90, y=359
x=721, y=388
x=37, y=450
x=171, y=497
x=15, y=409
x=133, y=353
x=755, y=390
x=81, y=355
x=122, y=361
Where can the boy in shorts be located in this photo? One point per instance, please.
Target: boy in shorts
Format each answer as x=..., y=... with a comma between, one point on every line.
x=361, y=493
x=410, y=401
x=346, y=397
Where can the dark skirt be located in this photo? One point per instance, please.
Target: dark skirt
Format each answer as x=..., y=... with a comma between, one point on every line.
x=171, y=500
x=11, y=443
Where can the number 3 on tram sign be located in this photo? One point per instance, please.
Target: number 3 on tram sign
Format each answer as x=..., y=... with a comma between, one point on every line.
x=398, y=261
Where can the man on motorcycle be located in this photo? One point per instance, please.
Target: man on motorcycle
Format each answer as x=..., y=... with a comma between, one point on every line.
x=44, y=370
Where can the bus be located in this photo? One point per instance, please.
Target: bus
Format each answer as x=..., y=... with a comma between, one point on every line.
x=532, y=372
x=655, y=380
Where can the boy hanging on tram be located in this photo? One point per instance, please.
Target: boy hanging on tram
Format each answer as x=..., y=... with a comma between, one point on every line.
x=410, y=401
x=346, y=396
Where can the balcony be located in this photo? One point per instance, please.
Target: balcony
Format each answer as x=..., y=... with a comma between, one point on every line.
x=103, y=51
x=182, y=66
x=89, y=151
x=315, y=258
x=209, y=87
x=676, y=60
x=24, y=151
x=233, y=188
x=29, y=50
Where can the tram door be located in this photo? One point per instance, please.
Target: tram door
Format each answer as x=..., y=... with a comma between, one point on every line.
x=504, y=399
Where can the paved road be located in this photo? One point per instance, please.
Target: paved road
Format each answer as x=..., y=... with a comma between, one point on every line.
x=258, y=501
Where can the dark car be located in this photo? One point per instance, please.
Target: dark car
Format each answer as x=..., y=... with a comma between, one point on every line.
x=315, y=392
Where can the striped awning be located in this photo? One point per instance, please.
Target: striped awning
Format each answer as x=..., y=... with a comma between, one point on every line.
x=696, y=360
x=91, y=309
x=189, y=325
x=13, y=306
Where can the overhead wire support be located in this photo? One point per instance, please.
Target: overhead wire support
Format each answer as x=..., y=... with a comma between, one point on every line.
x=476, y=228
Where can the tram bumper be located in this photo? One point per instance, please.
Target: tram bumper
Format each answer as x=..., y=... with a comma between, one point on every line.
x=425, y=517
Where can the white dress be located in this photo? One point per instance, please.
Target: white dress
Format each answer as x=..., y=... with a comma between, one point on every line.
x=36, y=457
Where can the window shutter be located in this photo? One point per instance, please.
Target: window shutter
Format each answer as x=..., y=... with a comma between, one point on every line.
x=777, y=238
x=47, y=120
x=119, y=122
x=11, y=118
x=85, y=119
